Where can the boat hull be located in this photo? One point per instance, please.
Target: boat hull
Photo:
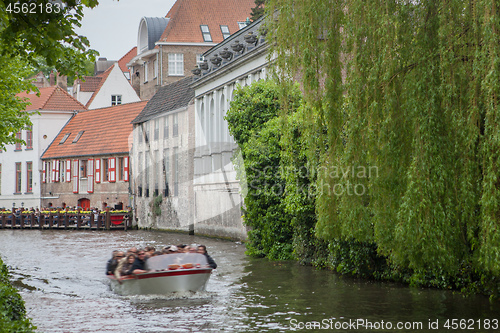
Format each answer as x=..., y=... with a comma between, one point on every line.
x=162, y=282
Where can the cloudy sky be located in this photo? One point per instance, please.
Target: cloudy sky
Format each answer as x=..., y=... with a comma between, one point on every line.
x=113, y=25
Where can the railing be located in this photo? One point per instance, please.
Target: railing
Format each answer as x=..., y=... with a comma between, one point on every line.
x=65, y=219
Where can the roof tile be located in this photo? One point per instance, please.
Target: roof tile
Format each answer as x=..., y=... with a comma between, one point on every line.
x=53, y=99
x=106, y=131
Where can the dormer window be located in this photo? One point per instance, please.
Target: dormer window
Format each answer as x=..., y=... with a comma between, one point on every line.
x=78, y=136
x=206, y=33
x=241, y=25
x=65, y=137
x=225, y=31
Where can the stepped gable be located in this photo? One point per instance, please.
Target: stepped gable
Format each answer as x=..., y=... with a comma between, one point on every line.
x=186, y=16
x=168, y=98
x=51, y=99
x=105, y=131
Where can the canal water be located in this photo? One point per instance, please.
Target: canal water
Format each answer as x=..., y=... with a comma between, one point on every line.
x=60, y=275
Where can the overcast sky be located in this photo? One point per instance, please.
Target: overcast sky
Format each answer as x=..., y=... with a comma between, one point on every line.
x=113, y=25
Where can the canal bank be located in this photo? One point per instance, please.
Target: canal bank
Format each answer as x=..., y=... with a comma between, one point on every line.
x=12, y=310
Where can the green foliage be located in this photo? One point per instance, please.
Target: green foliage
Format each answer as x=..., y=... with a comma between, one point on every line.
x=254, y=123
x=25, y=38
x=400, y=103
x=12, y=310
x=258, y=10
x=155, y=205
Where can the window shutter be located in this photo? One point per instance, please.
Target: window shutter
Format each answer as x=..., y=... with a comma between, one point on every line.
x=56, y=177
x=97, y=170
x=68, y=171
x=125, y=168
x=53, y=175
x=90, y=175
x=112, y=170
x=75, y=176
x=44, y=175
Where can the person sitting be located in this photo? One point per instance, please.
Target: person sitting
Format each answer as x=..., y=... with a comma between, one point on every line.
x=111, y=262
x=139, y=265
x=202, y=249
x=124, y=266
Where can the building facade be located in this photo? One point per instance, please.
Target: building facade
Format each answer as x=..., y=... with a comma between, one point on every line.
x=20, y=164
x=162, y=156
x=169, y=47
x=88, y=163
x=238, y=61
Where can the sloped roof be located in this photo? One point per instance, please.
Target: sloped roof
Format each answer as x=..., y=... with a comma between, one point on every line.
x=103, y=77
x=186, y=16
x=126, y=58
x=105, y=131
x=52, y=99
x=168, y=98
x=90, y=84
x=156, y=26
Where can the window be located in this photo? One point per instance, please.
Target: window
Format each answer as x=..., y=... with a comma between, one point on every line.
x=65, y=137
x=83, y=169
x=29, y=177
x=116, y=99
x=18, y=144
x=78, y=136
x=225, y=31
x=156, y=171
x=105, y=171
x=146, y=68
x=146, y=174
x=146, y=132
x=139, y=175
x=29, y=138
x=166, y=171
x=121, y=168
x=175, y=64
x=165, y=128
x=199, y=58
x=241, y=25
x=156, y=132
x=155, y=67
x=206, y=33
x=175, y=130
x=140, y=133
x=176, y=171
x=62, y=171
x=18, y=177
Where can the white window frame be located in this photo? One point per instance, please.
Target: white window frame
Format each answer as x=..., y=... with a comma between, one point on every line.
x=146, y=66
x=227, y=33
x=116, y=100
x=155, y=68
x=176, y=64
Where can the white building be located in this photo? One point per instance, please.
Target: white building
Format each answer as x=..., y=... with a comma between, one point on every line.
x=20, y=165
x=107, y=89
x=240, y=59
x=162, y=158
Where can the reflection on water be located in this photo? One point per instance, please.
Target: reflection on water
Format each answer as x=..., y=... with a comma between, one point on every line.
x=61, y=277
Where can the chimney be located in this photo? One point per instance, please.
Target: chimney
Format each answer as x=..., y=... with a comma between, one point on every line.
x=52, y=80
x=62, y=81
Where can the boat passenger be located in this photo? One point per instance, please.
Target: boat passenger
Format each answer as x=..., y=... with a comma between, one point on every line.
x=139, y=265
x=202, y=249
x=182, y=248
x=124, y=266
x=173, y=249
x=111, y=262
x=193, y=248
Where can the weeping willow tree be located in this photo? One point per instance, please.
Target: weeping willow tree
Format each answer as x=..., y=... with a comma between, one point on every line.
x=407, y=93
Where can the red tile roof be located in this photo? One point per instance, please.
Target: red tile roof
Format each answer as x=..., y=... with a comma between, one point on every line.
x=126, y=58
x=103, y=77
x=106, y=131
x=186, y=16
x=90, y=83
x=53, y=99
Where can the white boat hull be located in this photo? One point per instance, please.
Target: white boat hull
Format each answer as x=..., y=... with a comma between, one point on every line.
x=162, y=282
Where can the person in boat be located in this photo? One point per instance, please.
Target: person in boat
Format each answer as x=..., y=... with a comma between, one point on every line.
x=182, y=248
x=124, y=266
x=112, y=263
x=202, y=249
x=139, y=265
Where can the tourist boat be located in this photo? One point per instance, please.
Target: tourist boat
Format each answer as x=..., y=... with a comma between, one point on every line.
x=166, y=274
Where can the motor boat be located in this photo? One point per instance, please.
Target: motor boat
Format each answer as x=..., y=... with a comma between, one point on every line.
x=166, y=273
